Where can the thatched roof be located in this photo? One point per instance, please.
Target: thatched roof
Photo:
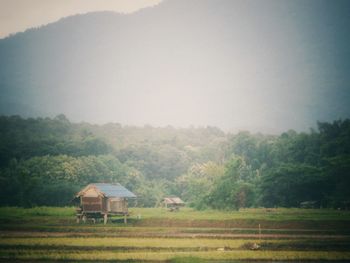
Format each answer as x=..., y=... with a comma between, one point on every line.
x=173, y=201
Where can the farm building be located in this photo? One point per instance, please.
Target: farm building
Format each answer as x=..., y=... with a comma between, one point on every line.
x=173, y=203
x=101, y=200
x=309, y=204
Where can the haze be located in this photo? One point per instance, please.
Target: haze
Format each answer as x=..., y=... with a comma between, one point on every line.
x=19, y=15
x=264, y=66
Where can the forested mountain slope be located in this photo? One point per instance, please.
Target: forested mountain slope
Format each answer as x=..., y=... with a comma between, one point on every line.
x=232, y=64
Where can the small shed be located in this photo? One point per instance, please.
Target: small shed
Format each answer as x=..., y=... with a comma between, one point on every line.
x=101, y=200
x=173, y=203
x=308, y=204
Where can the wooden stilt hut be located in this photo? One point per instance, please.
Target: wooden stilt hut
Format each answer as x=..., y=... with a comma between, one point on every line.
x=173, y=203
x=100, y=200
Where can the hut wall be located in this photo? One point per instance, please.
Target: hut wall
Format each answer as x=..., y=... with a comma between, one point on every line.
x=118, y=205
x=104, y=204
x=91, y=204
x=91, y=201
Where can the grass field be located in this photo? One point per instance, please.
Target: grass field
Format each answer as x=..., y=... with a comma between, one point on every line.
x=157, y=235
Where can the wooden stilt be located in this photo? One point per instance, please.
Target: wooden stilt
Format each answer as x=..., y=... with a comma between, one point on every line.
x=105, y=218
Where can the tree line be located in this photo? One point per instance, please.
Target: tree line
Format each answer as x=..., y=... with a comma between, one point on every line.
x=45, y=161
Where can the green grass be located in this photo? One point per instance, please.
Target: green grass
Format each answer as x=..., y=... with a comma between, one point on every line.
x=15, y=212
x=63, y=218
x=186, y=260
x=275, y=214
x=58, y=219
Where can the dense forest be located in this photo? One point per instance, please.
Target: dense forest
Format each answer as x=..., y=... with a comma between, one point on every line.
x=45, y=161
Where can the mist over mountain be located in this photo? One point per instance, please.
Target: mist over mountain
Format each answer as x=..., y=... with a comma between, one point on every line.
x=264, y=66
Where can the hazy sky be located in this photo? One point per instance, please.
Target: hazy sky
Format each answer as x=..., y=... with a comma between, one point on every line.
x=261, y=65
x=18, y=15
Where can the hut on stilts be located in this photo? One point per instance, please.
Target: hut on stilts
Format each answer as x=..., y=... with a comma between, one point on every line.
x=101, y=200
x=173, y=203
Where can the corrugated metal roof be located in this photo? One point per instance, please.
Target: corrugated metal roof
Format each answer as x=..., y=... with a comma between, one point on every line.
x=113, y=190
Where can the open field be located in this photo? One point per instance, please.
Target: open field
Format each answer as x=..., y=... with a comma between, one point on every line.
x=154, y=234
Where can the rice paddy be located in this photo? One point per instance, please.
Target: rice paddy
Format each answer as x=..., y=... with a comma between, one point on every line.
x=156, y=235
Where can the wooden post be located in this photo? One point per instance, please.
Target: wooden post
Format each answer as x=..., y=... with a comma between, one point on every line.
x=125, y=219
x=105, y=218
x=259, y=233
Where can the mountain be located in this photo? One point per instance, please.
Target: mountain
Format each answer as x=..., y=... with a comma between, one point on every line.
x=258, y=65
